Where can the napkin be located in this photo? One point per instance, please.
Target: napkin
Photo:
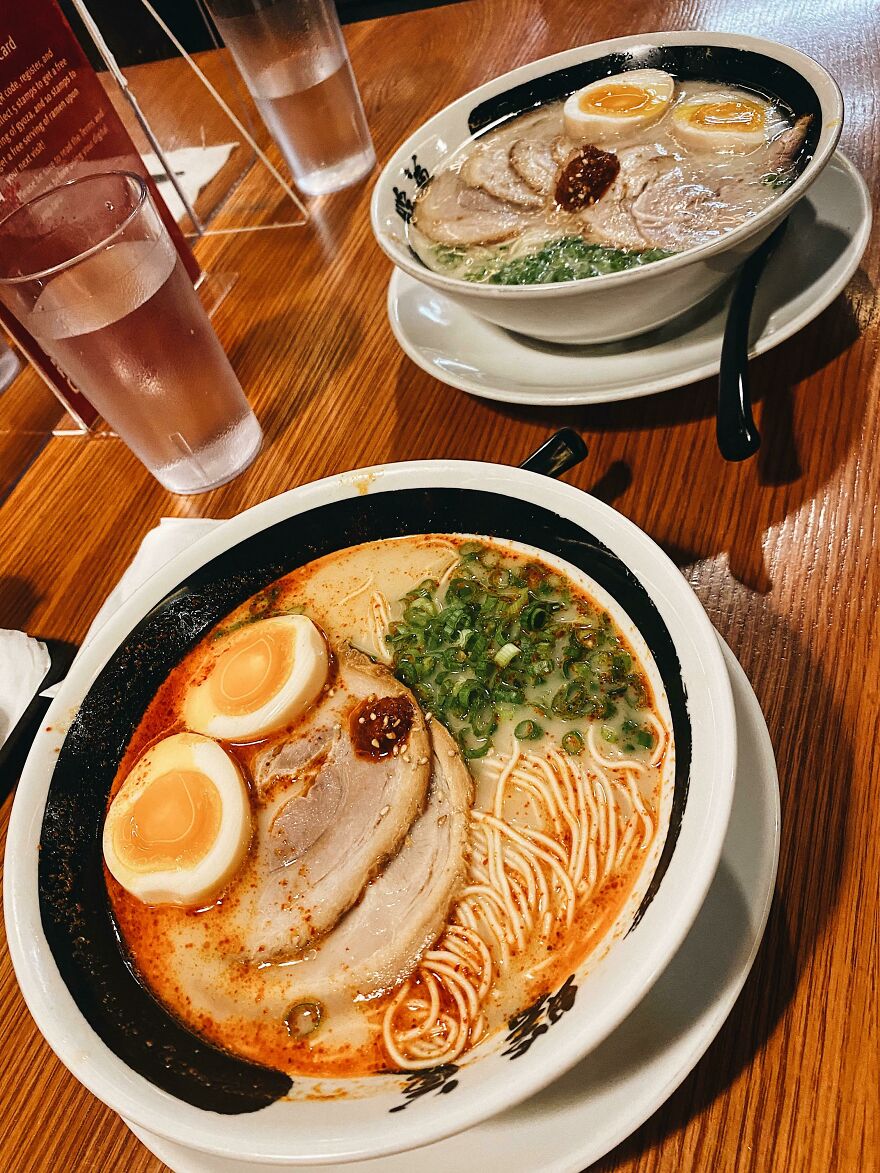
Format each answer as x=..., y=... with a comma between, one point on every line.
x=24, y=663
x=158, y=547
x=193, y=167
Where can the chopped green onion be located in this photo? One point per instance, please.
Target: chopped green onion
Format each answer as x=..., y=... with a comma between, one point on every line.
x=484, y=722
x=499, y=579
x=506, y=636
x=504, y=655
x=528, y=731
x=573, y=742
x=471, y=549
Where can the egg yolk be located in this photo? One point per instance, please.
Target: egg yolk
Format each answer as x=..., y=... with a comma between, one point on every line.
x=173, y=823
x=620, y=99
x=734, y=114
x=250, y=671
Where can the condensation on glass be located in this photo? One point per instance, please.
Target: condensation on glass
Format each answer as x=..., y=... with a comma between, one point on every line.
x=89, y=270
x=293, y=57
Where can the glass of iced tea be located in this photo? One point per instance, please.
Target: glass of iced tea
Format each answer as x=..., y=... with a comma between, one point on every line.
x=90, y=271
x=292, y=55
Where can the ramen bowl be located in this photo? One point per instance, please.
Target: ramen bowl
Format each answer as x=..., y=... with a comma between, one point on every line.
x=135, y=1056
x=613, y=305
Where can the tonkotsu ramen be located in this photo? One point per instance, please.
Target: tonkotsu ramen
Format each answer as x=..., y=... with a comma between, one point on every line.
x=629, y=170
x=387, y=804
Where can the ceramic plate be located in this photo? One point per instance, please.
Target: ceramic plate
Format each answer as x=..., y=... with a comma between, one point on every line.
x=587, y=1112
x=823, y=244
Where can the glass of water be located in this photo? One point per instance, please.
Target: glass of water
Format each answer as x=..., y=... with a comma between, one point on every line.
x=89, y=270
x=293, y=58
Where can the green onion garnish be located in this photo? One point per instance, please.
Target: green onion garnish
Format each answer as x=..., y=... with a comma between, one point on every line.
x=504, y=655
x=528, y=731
x=573, y=743
x=507, y=636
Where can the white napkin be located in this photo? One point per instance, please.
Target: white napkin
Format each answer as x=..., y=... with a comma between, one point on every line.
x=194, y=168
x=24, y=663
x=158, y=547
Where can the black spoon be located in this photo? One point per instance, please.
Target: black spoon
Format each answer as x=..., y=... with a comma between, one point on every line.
x=738, y=438
x=557, y=455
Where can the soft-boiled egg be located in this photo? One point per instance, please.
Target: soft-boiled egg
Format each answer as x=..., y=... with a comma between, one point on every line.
x=179, y=826
x=610, y=109
x=258, y=678
x=722, y=120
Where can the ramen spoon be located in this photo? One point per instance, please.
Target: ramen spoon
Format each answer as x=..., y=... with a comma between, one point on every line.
x=557, y=455
x=738, y=438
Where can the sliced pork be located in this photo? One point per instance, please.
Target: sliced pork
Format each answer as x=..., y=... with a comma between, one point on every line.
x=491, y=171
x=786, y=147
x=335, y=801
x=610, y=221
x=534, y=162
x=449, y=212
x=403, y=911
x=657, y=202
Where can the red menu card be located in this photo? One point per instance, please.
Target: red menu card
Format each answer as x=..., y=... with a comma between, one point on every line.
x=56, y=124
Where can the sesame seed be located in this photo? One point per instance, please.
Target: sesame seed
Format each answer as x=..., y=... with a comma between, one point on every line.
x=375, y=742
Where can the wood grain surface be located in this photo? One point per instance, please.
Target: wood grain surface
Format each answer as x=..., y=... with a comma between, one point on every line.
x=780, y=550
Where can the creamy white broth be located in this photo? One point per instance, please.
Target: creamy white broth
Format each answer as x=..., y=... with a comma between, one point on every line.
x=701, y=193
x=192, y=961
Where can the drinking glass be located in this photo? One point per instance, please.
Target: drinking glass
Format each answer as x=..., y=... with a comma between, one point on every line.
x=89, y=270
x=292, y=55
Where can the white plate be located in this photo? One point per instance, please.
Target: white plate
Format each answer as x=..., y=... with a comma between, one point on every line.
x=597, y=1104
x=821, y=249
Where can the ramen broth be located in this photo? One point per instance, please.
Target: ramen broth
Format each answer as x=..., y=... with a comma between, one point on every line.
x=553, y=196
x=590, y=784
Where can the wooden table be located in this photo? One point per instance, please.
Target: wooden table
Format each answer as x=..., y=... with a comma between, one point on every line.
x=780, y=550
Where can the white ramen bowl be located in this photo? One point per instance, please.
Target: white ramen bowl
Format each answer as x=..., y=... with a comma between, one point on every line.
x=615, y=305
x=687, y=673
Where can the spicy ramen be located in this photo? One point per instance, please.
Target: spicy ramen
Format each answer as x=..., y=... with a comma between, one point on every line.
x=387, y=804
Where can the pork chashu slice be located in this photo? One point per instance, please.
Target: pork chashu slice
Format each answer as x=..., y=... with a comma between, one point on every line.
x=449, y=212
x=331, y=810
x=380, y=941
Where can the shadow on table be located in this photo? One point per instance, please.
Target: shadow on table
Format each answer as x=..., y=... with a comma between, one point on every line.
x=815, y=774
x=796, y=359
x=806, y=436
x=17, y=601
